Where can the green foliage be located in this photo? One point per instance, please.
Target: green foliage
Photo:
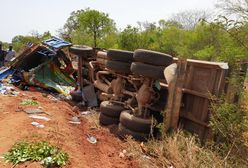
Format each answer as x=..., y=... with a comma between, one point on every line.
x=29, y=102
x=129, y=38
x=36, y=151
x=89, y=27
x=188, y=37
x=71, y=25
x=226, y=121
x=20, y=41
x=229, y=125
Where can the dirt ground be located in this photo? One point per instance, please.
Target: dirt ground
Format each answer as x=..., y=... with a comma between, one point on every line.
x=16, y=126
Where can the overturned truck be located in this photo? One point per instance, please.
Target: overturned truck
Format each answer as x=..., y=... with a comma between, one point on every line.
x=136, y=90
x=140, y=89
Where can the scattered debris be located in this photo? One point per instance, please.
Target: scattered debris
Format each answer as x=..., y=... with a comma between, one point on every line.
x=38, y=125
x=7, y=90
x=40, y=117
x=50, y=97
x=121, y=155
x=73, y=122
x=124, y=151
x=91, y=139
x=33, y=111
x=85, y=112
x=75, y=119
x=146, y=157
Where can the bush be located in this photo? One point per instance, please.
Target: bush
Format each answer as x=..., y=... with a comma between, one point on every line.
x=229, y=128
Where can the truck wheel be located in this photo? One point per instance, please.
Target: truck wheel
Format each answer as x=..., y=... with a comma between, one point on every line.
x=106, y=120
x=151, y=71
x=135, y=123
x=120, y=55
x=121, y=67
x=87, y=51
x=152, y=57
x=123, y=131
x=111, y=110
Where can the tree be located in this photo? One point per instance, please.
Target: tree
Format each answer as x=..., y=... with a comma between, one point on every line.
x=21, y=41
x=189, y=19
x=163, y=24
x=88, y=27
x=237, y=8
x=129, y=38
x=71, y=25
x=96, y=24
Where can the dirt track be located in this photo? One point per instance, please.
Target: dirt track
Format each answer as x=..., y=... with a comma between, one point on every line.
x=15, y=126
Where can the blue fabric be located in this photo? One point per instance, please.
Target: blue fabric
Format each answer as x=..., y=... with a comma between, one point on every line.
x=5, y=72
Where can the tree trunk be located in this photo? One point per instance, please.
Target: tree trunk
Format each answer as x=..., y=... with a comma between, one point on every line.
x=94, y=36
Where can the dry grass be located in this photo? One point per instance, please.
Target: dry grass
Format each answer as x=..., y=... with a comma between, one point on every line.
x=244, y=104
x=176, y=151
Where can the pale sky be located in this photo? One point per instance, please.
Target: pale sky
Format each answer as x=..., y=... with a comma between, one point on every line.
x=20, y=17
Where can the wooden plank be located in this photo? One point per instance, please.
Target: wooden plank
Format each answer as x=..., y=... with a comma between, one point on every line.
x=221, y=82
x=190, y=117
x=195, y=93
x=169, y=106
x=189, y=77
x=171, y=116
x=178, y=93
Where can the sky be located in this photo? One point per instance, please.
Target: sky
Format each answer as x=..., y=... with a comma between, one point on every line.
x=21, y=17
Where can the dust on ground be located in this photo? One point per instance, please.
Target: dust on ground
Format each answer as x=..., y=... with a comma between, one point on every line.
x=16, y=126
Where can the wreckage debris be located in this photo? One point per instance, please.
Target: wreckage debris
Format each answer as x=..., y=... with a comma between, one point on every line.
x=39, y=117
x=91, y=139
x=38, y=125
x=75, y=120
x=5, y=89
x=44, y=66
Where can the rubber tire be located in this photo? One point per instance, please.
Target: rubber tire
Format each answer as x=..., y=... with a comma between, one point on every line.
x=151, y=71
x=152, y=57
x=87, y=51
x=123, y=131
x=111, y=110
x=117, y=66
x=120, y=55
x=135, y=123
x=106, y=120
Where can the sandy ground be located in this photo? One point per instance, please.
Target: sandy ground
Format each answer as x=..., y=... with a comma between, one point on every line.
x=16, y=126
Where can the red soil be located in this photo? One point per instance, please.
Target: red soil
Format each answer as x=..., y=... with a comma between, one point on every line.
x=16, y=126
